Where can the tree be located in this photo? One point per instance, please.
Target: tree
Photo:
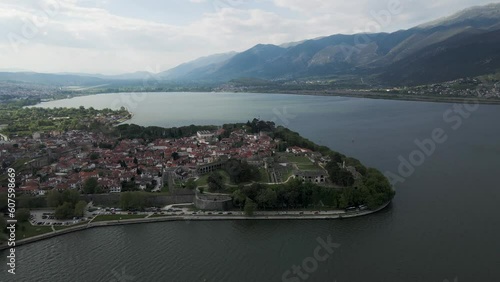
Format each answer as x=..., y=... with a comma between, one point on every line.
x=123, y=164
x=249, y=207
x=129, y=186
x=215, y=182
x=239, y=198
x=267, y=198
x=339, y=175
x=80, y=208
x=345, y=178
x=90, y=185
x=71, y=196
x=336, y=158
x=345, y=199
x=64, y=211
x=191, y=184
x=175, y=156
x=24, y=201
x=241, y=171
x=133, y=200
x=94, y=156
x=253, y=190
x=54, y=198
x=23, y=215
x=32, y=202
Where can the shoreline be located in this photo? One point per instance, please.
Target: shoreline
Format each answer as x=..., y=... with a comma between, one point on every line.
x=383, y=96
x=90, y=225
x=353, y=94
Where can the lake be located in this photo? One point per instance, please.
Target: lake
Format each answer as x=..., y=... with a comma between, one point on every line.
x=443, y=224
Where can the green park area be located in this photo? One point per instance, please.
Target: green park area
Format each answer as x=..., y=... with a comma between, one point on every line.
x=26, y=121
x=303, y=163
x=203, y=180
x=26, y=230
x=264, y=176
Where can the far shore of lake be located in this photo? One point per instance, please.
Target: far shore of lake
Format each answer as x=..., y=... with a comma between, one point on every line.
x=341, y=93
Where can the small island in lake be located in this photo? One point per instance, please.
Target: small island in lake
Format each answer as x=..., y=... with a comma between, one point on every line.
x=99, y=173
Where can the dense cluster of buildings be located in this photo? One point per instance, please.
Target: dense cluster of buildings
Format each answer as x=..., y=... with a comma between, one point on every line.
x=65, y=160
x=464, y=87
x=21, y=90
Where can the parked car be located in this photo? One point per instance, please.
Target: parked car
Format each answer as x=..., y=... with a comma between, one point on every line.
x=350, y=209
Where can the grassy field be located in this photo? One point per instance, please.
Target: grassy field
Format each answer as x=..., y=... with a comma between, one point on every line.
x=26, y=230
x=109, y=217
x=264, y=176
x=164, y=189
x=202, y=181
x=287, y=173
x=178, y=183
x=303, y=163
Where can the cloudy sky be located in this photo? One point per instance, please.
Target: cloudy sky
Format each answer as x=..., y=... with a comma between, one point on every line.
x=119, y=36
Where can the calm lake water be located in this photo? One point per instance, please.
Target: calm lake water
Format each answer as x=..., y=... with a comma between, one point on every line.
x=443, y=225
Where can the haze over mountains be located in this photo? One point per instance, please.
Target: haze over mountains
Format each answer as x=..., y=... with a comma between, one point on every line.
x=465, y=44
x=462, y=45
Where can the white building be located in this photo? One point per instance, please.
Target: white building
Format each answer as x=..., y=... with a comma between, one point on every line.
x=205, y=134
x=115, y=189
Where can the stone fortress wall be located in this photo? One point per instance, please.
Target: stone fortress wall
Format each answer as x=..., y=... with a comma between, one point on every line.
x=213, y=202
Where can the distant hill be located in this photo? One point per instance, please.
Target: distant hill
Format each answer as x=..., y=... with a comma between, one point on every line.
x=139, y=75
x=191, y=68
x=50, y=79
x=74, y=79
x=464, y=44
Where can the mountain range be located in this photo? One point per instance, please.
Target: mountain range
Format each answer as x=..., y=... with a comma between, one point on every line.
x=462, y=45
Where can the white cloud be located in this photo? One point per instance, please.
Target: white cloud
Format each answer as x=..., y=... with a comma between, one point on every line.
x=76, y=35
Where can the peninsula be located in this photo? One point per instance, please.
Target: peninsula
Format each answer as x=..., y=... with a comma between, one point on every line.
x=102, y=175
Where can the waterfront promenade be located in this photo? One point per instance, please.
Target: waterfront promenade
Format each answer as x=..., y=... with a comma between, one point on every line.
x=259, y=215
